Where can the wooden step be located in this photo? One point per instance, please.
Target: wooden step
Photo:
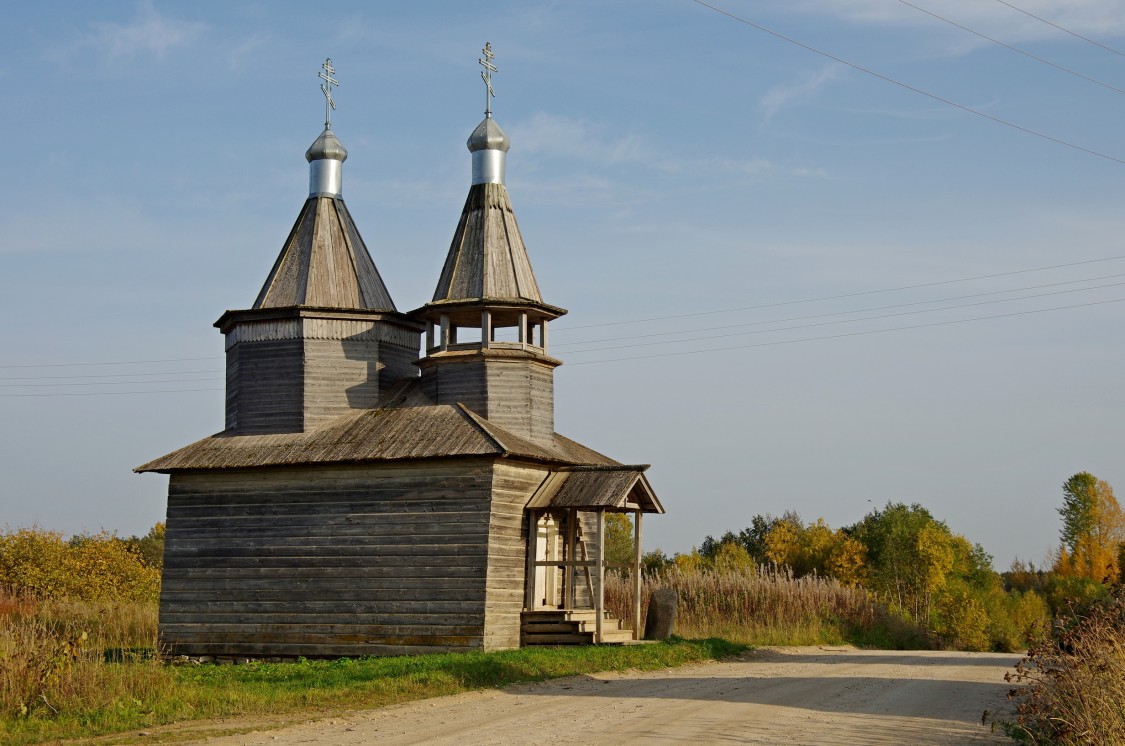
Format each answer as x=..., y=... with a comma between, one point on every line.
x=570, y=627
x=608, y=625
x=617, y=636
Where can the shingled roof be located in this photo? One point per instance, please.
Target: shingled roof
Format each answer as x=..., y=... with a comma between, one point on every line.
x=324, y=263
x=406, y=427
x=487, y=258
x=613, y=487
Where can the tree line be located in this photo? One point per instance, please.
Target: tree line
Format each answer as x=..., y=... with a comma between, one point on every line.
x=916, y=566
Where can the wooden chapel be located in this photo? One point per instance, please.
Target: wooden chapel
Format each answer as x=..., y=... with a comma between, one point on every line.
x=366, y=498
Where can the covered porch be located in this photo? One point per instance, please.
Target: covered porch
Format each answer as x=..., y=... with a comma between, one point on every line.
x=564, y=600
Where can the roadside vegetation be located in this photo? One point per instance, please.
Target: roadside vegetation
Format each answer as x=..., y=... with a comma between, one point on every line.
x=899, y=578
x=78, y=623
x=1073, y=678
x=766, y=605
x=85, y=668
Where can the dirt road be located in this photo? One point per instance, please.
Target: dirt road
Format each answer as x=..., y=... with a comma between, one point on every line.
x=836, y=696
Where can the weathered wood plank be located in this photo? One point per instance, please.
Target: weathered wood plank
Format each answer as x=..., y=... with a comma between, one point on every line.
x=306, y=650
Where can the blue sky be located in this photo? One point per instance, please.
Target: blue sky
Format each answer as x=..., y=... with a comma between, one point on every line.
x=669, y=164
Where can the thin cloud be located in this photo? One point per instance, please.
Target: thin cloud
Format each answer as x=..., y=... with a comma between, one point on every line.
x=552, y=136
x=1090, y=17
x=149, y=34
x=782, y=96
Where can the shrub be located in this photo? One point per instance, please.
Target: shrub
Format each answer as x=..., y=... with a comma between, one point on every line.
x=1075, y=680
x=960, y=621
x=87, y=568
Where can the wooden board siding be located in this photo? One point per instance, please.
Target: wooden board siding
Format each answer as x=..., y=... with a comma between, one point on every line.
x=339, y=375
x=397, y=363
x=265, y=378
x=521, y=397
x=326, y=561
x=516, y=394
x=293, y=375
x=542, y=402
x=457, y=383
x=230, y=418
x=512, y=487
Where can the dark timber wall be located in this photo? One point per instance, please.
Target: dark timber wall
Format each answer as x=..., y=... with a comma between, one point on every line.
x=291, y=375
x=342, y=561
x=517, y=394
x=264, y=390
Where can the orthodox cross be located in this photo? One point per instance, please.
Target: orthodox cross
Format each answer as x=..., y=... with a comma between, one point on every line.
x=486, y=76
x=326, y=88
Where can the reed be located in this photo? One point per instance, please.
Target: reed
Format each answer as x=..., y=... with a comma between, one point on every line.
x=766, y=605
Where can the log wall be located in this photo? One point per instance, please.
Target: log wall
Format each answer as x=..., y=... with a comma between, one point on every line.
x=518, y=395
x=264, y=390
x=286, y=376
x=512, y=487
x=342, y=561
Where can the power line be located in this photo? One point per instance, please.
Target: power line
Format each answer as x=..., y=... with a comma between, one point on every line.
x=674, y=354
x=108, y=393
x=107, y=375
x=848, y=334
x=907, y=86
x=1063, y=29
x=848, y=313
x=557, y=329
x=1014, y=49
x=119, y=362
x=847, y=321
x=839, y=297
x=110, y=383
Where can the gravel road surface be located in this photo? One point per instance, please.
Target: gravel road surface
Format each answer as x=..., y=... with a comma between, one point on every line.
x=812, y=695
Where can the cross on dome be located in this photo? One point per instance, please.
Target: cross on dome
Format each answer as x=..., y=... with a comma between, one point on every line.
x=486, y=76
x=326, y=73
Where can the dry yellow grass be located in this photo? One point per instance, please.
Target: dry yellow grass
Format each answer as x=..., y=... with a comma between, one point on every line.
x=765, y=606
x=53, y=653
x=1074, y=681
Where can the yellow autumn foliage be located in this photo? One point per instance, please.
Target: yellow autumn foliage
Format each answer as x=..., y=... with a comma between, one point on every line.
x=1093, y=534
x=816, y=548
x=99, y=567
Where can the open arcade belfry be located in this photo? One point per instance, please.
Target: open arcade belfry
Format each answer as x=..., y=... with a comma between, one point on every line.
x=391, y=482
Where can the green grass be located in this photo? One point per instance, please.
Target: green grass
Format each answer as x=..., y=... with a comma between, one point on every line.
x=307, y=688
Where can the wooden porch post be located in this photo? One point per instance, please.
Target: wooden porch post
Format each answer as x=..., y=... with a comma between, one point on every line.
x=572, y=555
x=443, y=345
x=637, y=575
x=599, y=591
x=532, y=552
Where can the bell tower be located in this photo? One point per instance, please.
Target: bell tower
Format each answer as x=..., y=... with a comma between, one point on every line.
x=486, y=338
x=323, y=336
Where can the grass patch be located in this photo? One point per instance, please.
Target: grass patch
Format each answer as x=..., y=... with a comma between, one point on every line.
x=175, y=693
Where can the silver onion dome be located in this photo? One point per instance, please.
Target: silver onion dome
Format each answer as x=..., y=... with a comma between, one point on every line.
x=326, y=157
x=488, y=144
